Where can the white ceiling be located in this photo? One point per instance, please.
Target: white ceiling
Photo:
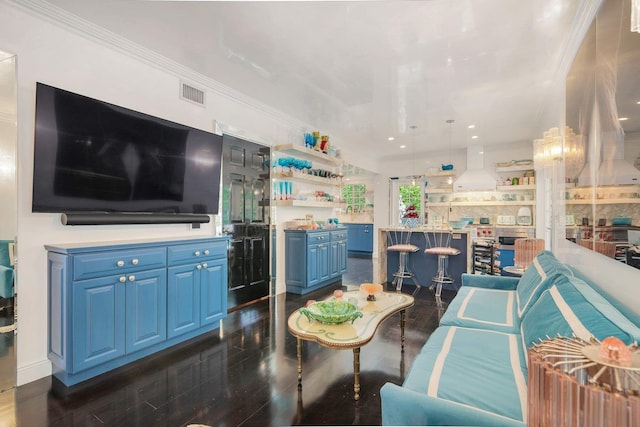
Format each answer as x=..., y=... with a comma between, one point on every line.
x=366, y=70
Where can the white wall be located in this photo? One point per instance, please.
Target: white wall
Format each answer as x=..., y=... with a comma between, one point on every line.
x=65, y=59
x=8, y=187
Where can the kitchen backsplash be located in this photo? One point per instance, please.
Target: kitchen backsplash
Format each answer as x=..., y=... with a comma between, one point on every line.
x=476, y=212
x=605, y=211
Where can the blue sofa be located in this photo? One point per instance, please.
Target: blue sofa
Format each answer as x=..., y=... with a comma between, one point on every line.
x=473, y=369
x=6, y=270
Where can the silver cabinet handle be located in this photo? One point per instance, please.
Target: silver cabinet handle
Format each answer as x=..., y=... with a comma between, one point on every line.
x=134, y=261
x=204, y=265
x=197, y=253
x=122, y=279
x=132, y=278
x=199, y=267
x=206, y=251
x=120, y=263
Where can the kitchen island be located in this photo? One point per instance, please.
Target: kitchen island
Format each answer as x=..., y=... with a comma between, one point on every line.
x=424, y=266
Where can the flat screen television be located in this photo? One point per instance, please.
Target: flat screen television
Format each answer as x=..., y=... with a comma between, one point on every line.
x=92, y=156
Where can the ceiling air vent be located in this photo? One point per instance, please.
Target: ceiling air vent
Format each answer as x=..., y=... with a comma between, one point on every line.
x=191, y=94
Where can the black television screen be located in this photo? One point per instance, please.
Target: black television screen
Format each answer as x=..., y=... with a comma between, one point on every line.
x=92, y=156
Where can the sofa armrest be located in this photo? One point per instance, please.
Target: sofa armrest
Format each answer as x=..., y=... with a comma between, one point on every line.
x=6, y=282
x=401, y=406
x=490, y=282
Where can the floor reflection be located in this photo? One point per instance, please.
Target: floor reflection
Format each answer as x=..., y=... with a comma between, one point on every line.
x=243, y=374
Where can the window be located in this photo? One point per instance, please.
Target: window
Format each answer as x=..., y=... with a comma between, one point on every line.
x=354, y=197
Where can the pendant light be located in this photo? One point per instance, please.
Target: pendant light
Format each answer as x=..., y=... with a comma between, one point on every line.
x=413, y=153
x=450, y=121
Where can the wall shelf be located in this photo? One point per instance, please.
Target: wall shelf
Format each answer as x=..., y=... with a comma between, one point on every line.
x=515, y=168
x=303, y=177
x=307, y=203
x=515, y=187
x=602, y=201
x=307, y=154
x=485, y=203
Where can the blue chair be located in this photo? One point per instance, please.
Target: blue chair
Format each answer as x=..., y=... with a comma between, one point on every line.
x=6, y=269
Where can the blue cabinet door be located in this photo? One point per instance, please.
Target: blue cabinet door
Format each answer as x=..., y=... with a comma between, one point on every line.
x=98, y=321
x=323, y=262
x=183, y=295
x=213, y=291
x=313, y=265
x=342, y=257
x=146, y=297
x=360, y=238
x=334, y=263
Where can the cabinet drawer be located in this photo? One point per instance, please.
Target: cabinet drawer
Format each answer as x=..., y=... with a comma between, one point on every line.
x=87, y=266
x=181, y=254
x=339, y=235
x=319, y=238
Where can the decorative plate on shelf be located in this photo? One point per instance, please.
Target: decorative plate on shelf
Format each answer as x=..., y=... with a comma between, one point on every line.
x=331, y=312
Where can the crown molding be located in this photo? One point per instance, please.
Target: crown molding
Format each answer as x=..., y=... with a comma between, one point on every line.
x=88, y=30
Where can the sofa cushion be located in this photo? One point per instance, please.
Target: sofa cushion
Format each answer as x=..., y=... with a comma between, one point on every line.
x=483, y=308
x=536, y=278
x=476, y=369
x=571, y=307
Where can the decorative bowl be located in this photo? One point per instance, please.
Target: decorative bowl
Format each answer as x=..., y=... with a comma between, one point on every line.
x=411, y=222
x=457, y=225
x=331, y=312
x=370, y=290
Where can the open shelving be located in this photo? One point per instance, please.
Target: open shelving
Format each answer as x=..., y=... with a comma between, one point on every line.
x=307, y=153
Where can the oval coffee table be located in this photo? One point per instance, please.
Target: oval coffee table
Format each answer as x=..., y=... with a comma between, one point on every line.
x=346, y=336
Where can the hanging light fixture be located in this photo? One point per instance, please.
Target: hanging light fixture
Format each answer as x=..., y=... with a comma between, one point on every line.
x=635, y=16
x=450, y=121
x=413, y=153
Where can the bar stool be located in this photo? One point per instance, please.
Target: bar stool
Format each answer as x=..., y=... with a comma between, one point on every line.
x=400, y=241
x=439, y=243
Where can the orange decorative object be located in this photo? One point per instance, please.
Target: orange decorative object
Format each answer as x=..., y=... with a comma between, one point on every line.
x=338, y=293
x=370, y=289
x=311, y=301
x=613, y=349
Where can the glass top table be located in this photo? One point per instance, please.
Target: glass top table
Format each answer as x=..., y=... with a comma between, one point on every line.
x=346, y=336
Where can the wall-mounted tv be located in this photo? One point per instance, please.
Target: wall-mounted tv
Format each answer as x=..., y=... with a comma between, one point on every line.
x=92, y=156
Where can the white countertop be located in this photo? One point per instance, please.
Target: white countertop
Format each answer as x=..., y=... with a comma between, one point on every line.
x=430, y=229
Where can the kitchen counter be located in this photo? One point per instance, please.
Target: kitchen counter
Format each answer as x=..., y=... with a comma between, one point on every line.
x=423, y=265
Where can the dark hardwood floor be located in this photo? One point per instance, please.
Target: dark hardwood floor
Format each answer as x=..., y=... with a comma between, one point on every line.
x=243, y=374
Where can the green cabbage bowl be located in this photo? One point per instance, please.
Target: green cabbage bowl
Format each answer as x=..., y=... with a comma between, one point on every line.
x=331, y=312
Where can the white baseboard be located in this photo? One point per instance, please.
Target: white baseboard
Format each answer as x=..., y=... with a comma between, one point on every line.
x=32, y=372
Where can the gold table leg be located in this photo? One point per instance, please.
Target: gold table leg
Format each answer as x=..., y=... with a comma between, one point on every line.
x=356, y=373
x=402, y=322
x=299, y=348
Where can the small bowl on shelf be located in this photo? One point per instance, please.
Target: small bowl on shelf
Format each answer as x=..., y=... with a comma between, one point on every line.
x=457, y=224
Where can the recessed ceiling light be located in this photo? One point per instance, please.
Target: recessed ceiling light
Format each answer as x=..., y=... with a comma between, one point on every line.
x=390, y=138
x=474, y=137
x=403, y=146
x=638, y=102
x=622, y=119
x=471, y=126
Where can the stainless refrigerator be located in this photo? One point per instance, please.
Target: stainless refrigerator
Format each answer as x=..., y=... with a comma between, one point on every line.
x=245, y=217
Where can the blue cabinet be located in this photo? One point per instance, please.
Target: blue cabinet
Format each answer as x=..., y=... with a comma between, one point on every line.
x=360, y=239
x=196, y=286
x=110, y=305
x=506, y=258
x=314, y=258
